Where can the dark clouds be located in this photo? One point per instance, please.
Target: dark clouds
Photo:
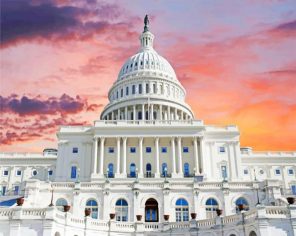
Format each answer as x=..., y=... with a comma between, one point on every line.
x=34, y=106
x=22, y=20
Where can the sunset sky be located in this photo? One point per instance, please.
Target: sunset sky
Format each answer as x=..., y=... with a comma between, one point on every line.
x=236, y=59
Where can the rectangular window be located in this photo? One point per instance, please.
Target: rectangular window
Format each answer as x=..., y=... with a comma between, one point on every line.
x=246, y=172
x=277, y=171
x=75, y=150
x=293, y=188
x=16, y=190
x=221, y=149
x=140, y=88
x=50, y=172
x=111, y=149
x=18, y=173
x=185, y=149
x=164, y=149
x=148, y=149
x=133, y=89
x=224, y=172
x=154, y=88
x=5, y=172
x=73, y=172
x=126, y=91
x=3, y=190
x=121, y=92
x=132, y=149
x=147, y=88
x=290, y=172
x=117, y=94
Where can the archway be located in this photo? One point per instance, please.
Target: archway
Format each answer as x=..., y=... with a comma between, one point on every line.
x=151, y=210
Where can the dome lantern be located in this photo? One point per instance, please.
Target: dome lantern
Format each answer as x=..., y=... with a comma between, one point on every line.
x=146, y=38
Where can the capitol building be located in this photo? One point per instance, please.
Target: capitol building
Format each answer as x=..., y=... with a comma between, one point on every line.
x=148, y=166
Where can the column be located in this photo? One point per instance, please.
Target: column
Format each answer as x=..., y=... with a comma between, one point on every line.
x=125, y=113
x=169, y=113
x=102, y=142
x=160, y=112
x=195, y=149
x=231, y=170
x=118, y=114
x=134, y=112
x=176, y=113
x=112, y=115
x=151, y=112
x=202, y=154
x=157, y=174
x=173, y=157
x=141, y=157
x=180, y=171
x=124, y=157
x=143, y=111
x=118, y=156
x=182, y=116
x=95, y=145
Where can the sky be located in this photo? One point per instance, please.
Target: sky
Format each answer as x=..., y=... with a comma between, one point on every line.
x=236, y=60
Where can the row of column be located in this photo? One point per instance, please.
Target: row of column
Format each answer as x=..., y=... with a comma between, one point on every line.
x=155, y=112
x=101, y=141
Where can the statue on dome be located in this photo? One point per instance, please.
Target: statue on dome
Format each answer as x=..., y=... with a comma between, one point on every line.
x=146, y=23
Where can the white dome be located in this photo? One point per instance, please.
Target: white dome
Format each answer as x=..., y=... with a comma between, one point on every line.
x=147, y=60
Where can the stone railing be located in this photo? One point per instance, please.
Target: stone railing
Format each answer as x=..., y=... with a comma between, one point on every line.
x=87, y=223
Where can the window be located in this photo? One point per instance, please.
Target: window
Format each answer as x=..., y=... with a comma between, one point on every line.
x=133, y=170
x=5, y=173
x=110, y=170
x=140, y=88
x=147, y=88
x=211, y=207
x=222, y=149
x=34, y=172
x=117, y=94
x=60, y=203
x=290, y=172
x=277, y=172
x=224, y=172
x=50, y=172
x=185, y=149
x=16, y=190
x=73, y=172
x=293, y=188
x=132, y=149
x=121, y=210
x=75, y=150
x=164, y=169
x=154, y=88
x=111, y=149
x=139, y=115
x=133, y=89
x=121, y=93
x=243, y=202
x=3, y=191
x=126, y=91
x=246, y=171
x=186, y=170
x=182, y=210
x=148, y=149
x=18, y=173
x=92, y=205
x=148, y=170
x=164, y=149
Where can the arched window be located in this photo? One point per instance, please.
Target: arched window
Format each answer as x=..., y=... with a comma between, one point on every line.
x=134, y=88
x=182, y=210
x=252, y=233
x=121, y=210
x=73, y=172
x=60, y=203
x=164, y=169
x=148, y=170
x=211, y=207
x=133, y=170
x=93, y=206
x=110, y=170
x=242, y=202
x=186, y=170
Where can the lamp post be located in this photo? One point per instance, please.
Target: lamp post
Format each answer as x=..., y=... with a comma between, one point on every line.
x=257, y=188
